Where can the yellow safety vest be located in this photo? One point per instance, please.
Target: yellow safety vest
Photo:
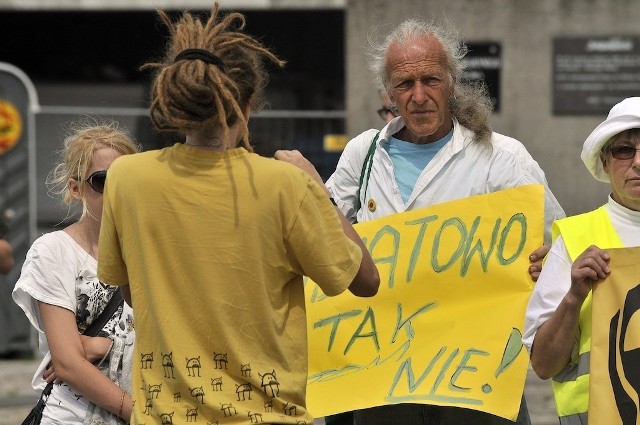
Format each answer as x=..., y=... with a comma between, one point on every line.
x=571, y=386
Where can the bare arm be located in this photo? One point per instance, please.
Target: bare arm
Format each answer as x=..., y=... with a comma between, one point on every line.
x=553, y=343
x=95, y=349
x=72, y=367
x=367, y=280
x=6, y=257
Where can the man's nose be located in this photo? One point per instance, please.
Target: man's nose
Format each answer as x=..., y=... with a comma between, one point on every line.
x=420, y=93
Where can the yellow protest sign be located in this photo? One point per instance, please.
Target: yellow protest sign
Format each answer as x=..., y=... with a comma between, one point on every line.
x=614, y=386
x=445, y=327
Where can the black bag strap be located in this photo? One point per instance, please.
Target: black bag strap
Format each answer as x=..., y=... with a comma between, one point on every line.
x=99, y=322
x=35, y=415
x=366, y=171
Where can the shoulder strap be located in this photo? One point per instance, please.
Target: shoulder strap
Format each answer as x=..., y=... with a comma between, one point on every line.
x=111, y=307
x=366, y=170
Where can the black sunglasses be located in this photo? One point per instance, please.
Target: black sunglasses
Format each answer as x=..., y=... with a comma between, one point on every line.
x=623, y=152
x=384, y=111
x=97, y=180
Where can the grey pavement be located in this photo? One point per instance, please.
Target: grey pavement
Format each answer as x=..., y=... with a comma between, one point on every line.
x=17, y=397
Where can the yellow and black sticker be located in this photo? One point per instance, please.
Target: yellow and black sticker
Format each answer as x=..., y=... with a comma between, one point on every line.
x=10, y=126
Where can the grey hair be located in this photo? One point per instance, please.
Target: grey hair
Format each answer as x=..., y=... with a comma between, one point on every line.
x=471, y=104
x=447, y=35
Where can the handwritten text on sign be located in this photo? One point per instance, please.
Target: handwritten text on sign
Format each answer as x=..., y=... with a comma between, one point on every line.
x=445, y=327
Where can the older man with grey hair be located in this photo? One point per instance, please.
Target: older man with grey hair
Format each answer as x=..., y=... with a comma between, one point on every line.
x=440, y=148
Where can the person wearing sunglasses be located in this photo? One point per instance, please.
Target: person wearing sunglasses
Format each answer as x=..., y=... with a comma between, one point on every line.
x=61, y=295
x=557, y=326
x=388, y=111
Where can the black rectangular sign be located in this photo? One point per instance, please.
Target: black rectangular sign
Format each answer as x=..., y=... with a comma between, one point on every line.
x=591, y=74
x=483, y=63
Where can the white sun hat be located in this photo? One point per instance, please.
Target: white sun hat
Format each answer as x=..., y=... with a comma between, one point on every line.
x=623, y=116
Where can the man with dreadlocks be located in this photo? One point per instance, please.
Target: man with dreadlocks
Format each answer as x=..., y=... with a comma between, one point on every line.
x=210, y=241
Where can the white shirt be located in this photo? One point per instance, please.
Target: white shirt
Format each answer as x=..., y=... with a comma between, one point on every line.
x=462, y=168
x=59, y=272
x=555, y=279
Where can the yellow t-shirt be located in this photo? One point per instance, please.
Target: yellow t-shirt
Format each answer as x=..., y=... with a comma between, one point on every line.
x=214, y=246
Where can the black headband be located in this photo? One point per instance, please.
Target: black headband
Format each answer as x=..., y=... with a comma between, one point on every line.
x=203, y=55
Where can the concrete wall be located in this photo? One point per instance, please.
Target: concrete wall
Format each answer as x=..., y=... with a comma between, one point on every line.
x=525, y=30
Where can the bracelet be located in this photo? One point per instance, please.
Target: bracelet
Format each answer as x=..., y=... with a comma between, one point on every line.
x=333, y=201
x=121, y=404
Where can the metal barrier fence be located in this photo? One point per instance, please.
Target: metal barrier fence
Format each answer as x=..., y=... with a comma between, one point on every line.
x=270, y=130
